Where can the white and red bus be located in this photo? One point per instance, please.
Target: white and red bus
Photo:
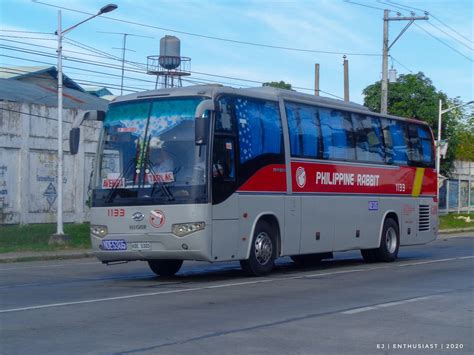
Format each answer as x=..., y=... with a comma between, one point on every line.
x=215, y=173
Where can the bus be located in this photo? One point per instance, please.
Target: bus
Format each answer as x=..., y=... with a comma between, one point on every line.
x=215, y=173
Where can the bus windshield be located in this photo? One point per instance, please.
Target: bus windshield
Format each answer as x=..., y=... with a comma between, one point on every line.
x=148, y=155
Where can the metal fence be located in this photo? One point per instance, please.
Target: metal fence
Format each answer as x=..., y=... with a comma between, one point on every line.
x=456, y=195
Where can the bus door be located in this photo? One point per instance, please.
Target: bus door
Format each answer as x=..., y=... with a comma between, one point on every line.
x=225, y=223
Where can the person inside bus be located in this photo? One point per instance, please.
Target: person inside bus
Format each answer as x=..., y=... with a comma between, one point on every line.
x=161, y=161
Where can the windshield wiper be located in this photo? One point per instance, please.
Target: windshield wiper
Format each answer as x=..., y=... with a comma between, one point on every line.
x=115, y=187
x=131, y=164
x=158, y=181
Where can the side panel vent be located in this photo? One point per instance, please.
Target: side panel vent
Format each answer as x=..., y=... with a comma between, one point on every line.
x=424, y=218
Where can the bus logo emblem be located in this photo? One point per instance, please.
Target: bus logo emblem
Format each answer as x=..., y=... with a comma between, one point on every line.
x=300, y=177
x=138, y=216
x=157, y=218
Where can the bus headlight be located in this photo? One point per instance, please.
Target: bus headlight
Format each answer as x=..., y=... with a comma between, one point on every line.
x=182, y=229
x=99, y=231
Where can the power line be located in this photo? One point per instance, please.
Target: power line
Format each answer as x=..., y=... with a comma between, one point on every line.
x=54, y=48
x=435, y=17
x=404, y=8
x=111, y=66
x=35, y=38
x=402, y=65
x=450, y=35
x=214, y=37
x=364, y=5
x=36, y=32
x=443, y=42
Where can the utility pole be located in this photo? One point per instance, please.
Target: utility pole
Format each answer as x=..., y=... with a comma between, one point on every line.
x=123, y=49
x=385, y=49
x=316, y=79
x=346, y=79
x=60, y=237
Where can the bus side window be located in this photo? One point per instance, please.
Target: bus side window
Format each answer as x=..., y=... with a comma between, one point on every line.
x=303, y=125
x=368, y=137
x=337, y=134
x=395, y=141
x=224, y=120
x=260, y=129
x=427, y=147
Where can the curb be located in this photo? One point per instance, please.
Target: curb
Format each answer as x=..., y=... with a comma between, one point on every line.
x=456, y=230
x=38, y=256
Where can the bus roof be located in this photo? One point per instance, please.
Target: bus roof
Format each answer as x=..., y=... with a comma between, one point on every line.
x=263, y=92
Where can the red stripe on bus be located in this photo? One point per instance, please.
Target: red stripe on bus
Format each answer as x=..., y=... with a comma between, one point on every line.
x=311, y=177
x=271, y=178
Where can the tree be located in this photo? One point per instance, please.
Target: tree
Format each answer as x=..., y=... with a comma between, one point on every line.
x=415, y=96
x=465, y=137
x=280, y=85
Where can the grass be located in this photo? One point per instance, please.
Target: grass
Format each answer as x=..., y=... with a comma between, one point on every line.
x=450, y=221
x=34, y=237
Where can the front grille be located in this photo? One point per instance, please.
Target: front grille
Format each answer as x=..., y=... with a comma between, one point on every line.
x=424, y=218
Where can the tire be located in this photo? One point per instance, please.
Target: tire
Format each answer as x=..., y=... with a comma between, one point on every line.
x=262, y=252
x=165, y=268
x=389, y=244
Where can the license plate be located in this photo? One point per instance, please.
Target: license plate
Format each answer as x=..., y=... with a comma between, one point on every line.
x=114, y=244
x=140, y=246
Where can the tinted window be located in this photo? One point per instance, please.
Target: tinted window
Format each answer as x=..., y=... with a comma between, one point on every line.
x=368, y=138
x=426, y=145
x=395, y=141
x=259, y=128
x=303, y=124
x=336, y=130
x=224, y=119
x=414, y=146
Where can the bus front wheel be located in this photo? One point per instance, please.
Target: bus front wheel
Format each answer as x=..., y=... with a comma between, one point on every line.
x=165, y=268
x=262, y=251
x=389, y=244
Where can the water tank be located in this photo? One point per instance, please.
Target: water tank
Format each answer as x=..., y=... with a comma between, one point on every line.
x=170, y=53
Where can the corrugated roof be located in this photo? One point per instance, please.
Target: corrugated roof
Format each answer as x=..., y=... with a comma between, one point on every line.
x=20, y=72
x=17, y=91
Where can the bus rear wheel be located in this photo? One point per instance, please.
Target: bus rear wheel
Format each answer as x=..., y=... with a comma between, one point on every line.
x=262, y=252
x=165, y=268
x=389, y=244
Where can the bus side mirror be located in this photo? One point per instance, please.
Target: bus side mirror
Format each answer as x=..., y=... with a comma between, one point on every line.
x=75, y=133
x=201, y=124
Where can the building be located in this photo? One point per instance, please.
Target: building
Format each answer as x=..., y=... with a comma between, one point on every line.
x=43, y=76
x=28, y=147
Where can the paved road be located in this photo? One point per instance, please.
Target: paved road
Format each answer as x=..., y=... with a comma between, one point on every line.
x=425, y=299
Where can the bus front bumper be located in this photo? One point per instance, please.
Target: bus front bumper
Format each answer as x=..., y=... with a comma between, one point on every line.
x=130, y=247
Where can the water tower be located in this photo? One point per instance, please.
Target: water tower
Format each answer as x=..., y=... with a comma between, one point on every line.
x=169, y=67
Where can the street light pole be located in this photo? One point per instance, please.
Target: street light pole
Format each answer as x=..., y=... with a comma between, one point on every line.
x=60, y=237
x=438, y=143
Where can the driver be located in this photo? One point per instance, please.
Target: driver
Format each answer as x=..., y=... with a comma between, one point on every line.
x=161, y=161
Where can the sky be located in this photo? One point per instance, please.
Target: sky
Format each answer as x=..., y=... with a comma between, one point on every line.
x=212, y=32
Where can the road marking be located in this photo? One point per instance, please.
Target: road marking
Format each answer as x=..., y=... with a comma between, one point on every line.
x=234, y=284
x=388, y=304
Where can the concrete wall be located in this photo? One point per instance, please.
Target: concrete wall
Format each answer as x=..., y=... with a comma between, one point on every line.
x=28, y=164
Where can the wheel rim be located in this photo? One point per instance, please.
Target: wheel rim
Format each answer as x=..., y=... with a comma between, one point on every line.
x=263, y=248
x=391, y=240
